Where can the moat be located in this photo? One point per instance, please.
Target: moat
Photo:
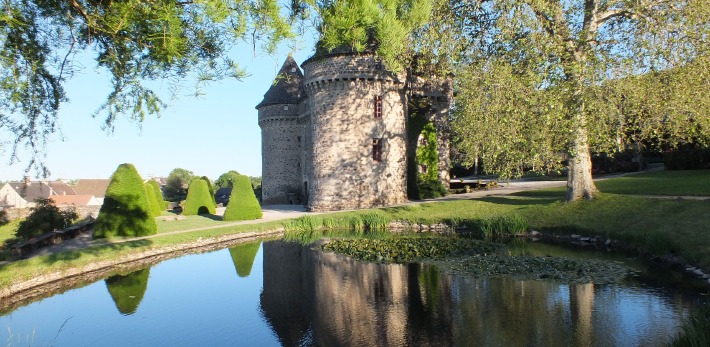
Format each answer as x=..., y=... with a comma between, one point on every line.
x=278, y=293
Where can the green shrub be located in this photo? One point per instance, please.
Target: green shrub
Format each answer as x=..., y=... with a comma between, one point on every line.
x=210, y=188
x=242, y=202
x=159, y=194
x=125, y=211
x=44, y=217
x=429, y=189
x=198, y=199
x=501, y=226
x=153, y=204
x=695, y=330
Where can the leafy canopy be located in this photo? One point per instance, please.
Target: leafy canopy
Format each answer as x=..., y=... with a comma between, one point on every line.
x=134, y=41
x=360, y=24
x=545, y=77
x=45, y=217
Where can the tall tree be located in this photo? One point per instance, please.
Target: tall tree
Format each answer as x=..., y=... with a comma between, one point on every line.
x=134, y=41
x=226, y=180
x=538, y=70
x=177, y=183
x=386, y=25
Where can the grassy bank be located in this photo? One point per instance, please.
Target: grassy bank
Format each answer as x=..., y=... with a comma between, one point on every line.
x=659, y=225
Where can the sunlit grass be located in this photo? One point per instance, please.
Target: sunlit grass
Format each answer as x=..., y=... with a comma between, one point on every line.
x=659, y=225
x=7, y=231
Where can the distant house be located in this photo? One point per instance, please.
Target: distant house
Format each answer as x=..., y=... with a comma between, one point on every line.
x=23, y=194
x=75, y=200
x=96, y=187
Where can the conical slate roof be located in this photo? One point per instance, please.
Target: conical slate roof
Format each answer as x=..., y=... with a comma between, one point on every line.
x=287, y=87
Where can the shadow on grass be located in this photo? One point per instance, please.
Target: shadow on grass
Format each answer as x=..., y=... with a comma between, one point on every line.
x=93, y=251
x=518, y=201
x=212, y=217
x=543, y=193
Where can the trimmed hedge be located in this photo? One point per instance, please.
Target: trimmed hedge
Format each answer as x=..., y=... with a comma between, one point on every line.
x=243, y=256
x=125, y=211
x=159, y=194
x=198, y=199
x=153, y=203
x=210, y=187
x=242, y=202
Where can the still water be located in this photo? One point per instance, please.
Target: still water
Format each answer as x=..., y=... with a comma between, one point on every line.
x=277, y=293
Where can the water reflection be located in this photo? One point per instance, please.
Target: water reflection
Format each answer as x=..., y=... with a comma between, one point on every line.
x=243, y=257
x=127, y=290
x=320, y=298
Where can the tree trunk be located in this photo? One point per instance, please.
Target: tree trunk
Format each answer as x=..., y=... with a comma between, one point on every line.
x=579, y=178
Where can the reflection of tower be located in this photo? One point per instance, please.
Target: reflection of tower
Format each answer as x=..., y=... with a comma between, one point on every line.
x=314, y=297
x=127, y=290
x=243, y=257
x=285, y=295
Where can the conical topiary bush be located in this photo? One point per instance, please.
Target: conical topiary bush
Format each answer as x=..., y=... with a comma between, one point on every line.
x=158, y=195
x=242, y=203
x=153, y=204
x=198, y=199
x=125, y=211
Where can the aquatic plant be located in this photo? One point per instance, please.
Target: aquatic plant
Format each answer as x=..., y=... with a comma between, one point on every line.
x=695, y=331
x=405, y=249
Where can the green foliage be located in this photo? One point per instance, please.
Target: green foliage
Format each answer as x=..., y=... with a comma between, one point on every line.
x=361, y=23
x=158, y=194
x=45, y=217
x=243, y=204
x=427, y=153
x=155, y=206
x=133, y=41
x=429, y=189
x=406, y=249
x=126, y=210
x=695, y=330
x=226, y=179
x=3, y=218
x=199, y=200
x=243, y=256
x=546, y=78
x=177, y=183
x=500, y=226
x=127, y=291
x=209, y=187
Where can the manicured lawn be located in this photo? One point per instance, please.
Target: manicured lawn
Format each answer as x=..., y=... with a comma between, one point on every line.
x=168, y=223
x=659, y=225
x=681, y=183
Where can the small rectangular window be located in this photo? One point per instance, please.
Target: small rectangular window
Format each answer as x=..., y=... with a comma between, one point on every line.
x=378, y=106
x=377, y=150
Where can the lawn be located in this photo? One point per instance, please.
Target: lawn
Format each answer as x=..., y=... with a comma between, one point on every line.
x=680, y=183
x=659, y=225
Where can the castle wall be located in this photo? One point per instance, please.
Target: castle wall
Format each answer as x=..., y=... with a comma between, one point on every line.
x=281, y=153
x=341, y=92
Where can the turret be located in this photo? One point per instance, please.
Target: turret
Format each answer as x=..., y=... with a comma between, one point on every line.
x=281, y=136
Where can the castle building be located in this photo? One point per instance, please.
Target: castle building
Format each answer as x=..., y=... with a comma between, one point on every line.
x=336, y=136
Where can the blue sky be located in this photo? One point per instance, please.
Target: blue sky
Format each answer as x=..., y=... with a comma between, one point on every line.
x=209, y=135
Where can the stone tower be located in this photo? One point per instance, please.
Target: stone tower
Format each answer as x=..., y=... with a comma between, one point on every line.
x=335, y=136
x=280, y=136
x=357, y=128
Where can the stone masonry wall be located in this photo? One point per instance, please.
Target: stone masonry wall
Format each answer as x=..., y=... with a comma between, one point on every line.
x=341, y=94
x=281, y=153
